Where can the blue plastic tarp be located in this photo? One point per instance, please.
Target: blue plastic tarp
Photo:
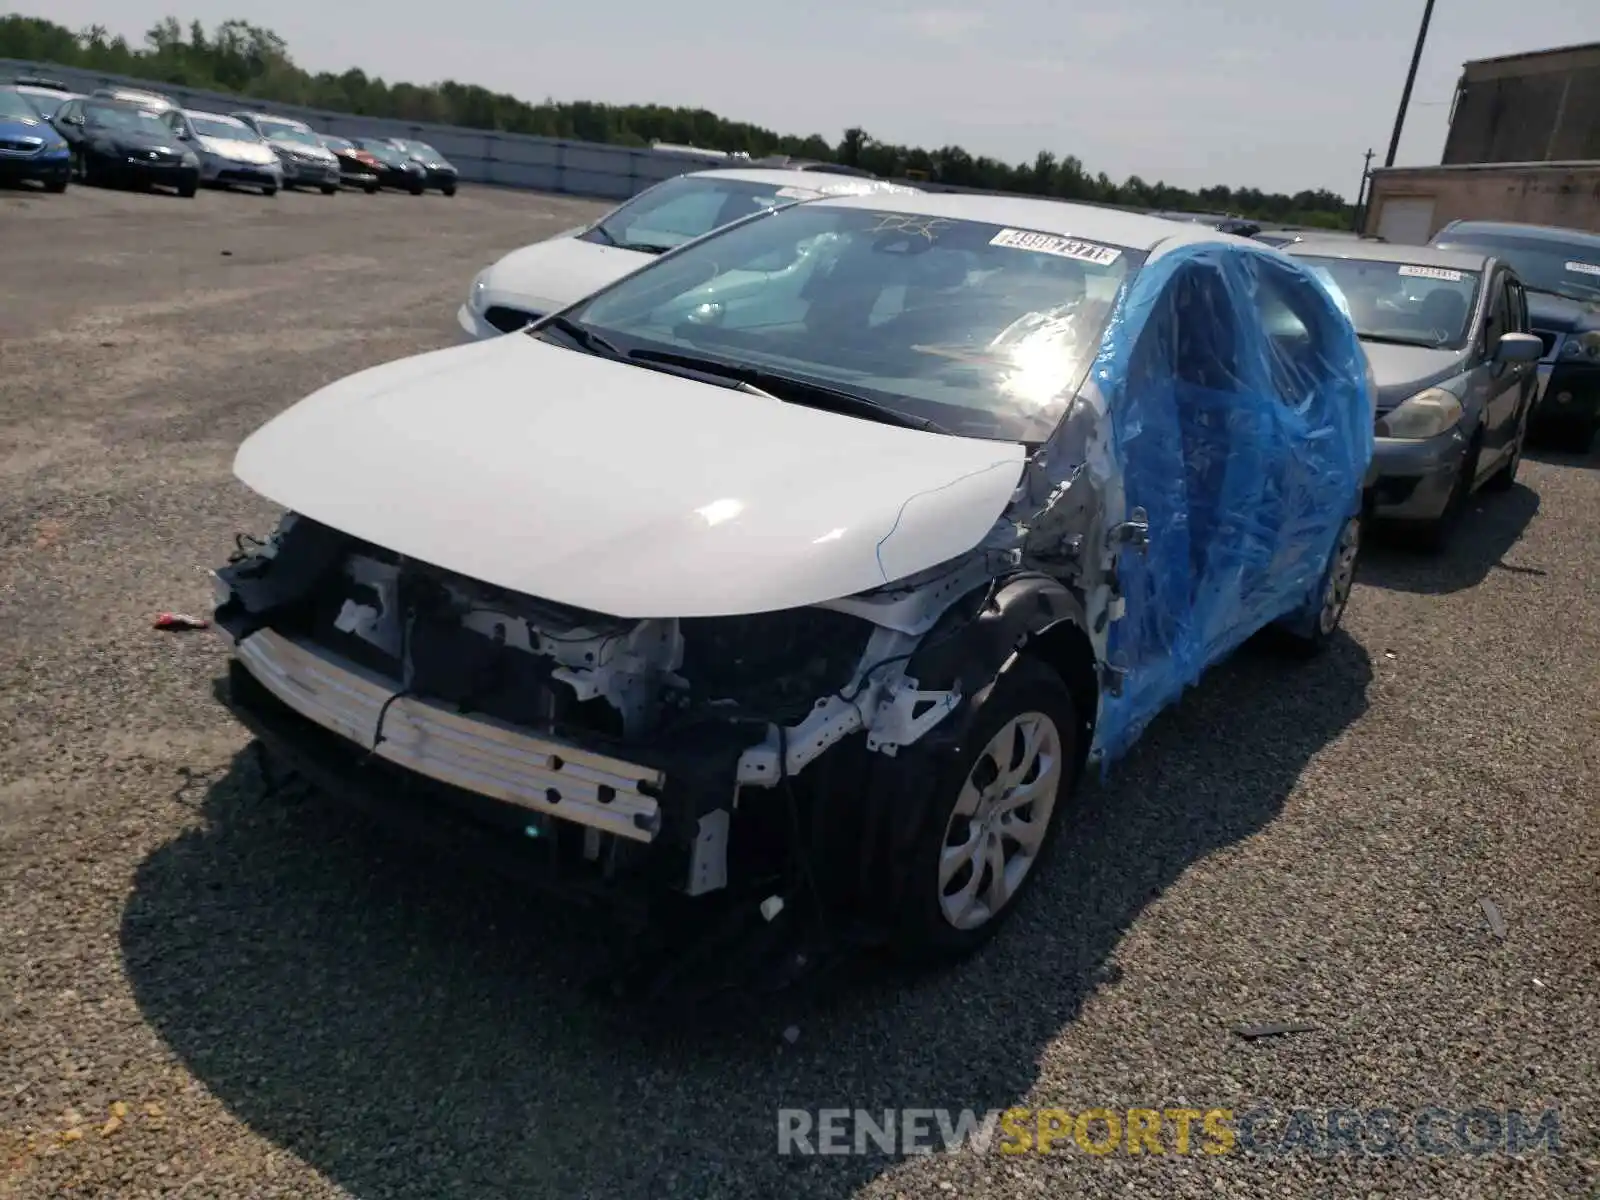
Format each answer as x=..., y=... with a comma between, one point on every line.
x=1242, y=425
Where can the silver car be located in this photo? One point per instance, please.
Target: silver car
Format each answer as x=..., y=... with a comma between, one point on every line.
x=230, y=152
x=305, y=160
x=1446, y=332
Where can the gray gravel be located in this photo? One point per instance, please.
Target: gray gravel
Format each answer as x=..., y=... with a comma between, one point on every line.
x=289, y=1005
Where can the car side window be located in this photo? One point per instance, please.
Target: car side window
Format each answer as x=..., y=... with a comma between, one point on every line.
x=1288, y=320
x=1519, y=304
x=1499, y=321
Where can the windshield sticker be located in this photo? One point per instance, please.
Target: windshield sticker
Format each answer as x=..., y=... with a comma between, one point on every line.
x=1583, y=268
x=1061, y=247
x=1433, y=273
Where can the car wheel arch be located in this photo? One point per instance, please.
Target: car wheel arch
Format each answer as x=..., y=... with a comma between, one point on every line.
x=1028, y=613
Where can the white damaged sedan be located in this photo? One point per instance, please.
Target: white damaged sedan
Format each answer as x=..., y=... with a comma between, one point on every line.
x=797, y=577
x=549, y=275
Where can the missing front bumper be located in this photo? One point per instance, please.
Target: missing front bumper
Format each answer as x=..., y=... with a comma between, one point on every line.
x=477, y=754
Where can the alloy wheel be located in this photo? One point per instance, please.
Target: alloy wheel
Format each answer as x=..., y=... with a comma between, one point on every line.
x=1341, y=577
x=1000, y=819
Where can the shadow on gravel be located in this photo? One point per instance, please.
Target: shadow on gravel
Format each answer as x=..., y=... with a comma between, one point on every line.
x=411, y=1028
x=1492, y=525
x=1563, y=458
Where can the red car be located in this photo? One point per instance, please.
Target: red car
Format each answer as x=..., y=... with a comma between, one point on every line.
x=357, y=167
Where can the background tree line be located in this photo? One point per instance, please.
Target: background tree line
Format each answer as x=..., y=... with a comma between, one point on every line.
x=247, y=60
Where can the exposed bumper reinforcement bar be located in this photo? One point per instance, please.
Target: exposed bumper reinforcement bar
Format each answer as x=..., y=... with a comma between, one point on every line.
x=478, y=753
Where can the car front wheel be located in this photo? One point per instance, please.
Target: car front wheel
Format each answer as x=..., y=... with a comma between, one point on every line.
x=1506, y=476
x=992, y=816
x=1576, y=434
x=1309, y=637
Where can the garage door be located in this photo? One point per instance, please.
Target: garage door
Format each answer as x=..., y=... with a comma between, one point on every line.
x=1407, y=220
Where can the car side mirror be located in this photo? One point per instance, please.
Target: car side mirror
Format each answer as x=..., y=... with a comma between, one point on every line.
x=1519, y=348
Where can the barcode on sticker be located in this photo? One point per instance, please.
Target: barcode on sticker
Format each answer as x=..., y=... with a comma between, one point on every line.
x=1583, y=268
x=1433, y=273
x=1061, y=247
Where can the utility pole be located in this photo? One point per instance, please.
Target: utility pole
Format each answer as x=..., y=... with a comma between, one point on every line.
x=1360, y=218
x=1411, y=78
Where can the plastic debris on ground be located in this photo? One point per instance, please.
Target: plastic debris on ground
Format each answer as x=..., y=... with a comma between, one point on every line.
x=178, y=622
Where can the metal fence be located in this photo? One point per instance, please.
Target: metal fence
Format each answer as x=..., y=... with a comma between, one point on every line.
x=482, y=156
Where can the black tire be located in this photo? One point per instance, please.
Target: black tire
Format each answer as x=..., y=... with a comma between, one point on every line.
x=188, y=189
x=1436, y=535
x=330, y=189
x=1308, y=638
x=1504, y=479
x=449, y=189
x=417, y=189
x=370, y=189
x=269, y=191
x=56, y=185
x=1575, y=435
x=921, y=931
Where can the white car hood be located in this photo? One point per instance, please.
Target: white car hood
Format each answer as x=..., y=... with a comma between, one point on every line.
x=622, y=490
x=552, y=274
x=238, y=150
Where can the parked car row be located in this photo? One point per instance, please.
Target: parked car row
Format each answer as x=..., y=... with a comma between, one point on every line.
x=129, y=136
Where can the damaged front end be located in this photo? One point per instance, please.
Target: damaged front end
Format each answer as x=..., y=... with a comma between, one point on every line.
x=640, y=756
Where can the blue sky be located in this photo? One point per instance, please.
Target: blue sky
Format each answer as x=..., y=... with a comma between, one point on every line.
x=1282, y=95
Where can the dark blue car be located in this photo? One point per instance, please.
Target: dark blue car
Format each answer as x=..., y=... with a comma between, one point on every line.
x=1560, y=268
x=29, y=147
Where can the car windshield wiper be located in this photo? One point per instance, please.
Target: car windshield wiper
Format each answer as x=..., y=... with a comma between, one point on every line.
x=585, y=337
x=792, y=390
x=605, y=234
x=1389, y=340
x=646, y=247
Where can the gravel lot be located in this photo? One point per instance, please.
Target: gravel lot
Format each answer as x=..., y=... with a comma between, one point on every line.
x=209, y=992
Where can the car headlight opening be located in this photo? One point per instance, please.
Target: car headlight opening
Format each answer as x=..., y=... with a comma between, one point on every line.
x=1429, y=413
x=1583, y=346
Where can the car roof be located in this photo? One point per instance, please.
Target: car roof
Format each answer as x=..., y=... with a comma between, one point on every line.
x=1541, y=233
x=1390, y=252
x=117, y=93
x=211, y=116
x=40, y=88
x=1109, y=225
x=266, y=116
x=815, y=181
x=119, y=102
